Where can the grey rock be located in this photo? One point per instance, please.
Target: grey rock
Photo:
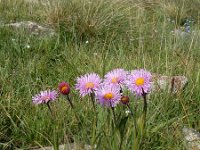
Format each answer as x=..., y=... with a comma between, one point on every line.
x=171, y=84
x=179, y=33
x=32, y=28
x=185, y=34
x=191, y=138
x=70, y=146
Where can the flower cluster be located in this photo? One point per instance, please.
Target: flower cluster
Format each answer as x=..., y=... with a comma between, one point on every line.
x=110, y=91
x=107, y=91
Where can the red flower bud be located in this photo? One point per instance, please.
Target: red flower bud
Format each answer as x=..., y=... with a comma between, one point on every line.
x=125, y=100
x=64, y=88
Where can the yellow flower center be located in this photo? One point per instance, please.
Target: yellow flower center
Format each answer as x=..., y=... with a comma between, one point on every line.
x=139, y=81
x=114, y=80
x=89, y=85
x=108, y=96
x=64, y=88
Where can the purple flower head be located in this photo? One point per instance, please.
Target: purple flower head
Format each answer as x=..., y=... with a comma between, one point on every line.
x=139, y=81
x=108, y=95
x=88, y=83
x=116, y=77
x=45, y=97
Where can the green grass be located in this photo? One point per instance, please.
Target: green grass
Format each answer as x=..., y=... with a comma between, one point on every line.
x=121, y=34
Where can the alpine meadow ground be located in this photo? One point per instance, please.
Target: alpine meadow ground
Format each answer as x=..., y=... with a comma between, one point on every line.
x=97, y=36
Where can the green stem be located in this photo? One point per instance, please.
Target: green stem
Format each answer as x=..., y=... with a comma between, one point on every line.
x=70, y=102
x=94, y=120
x=93, y=101
x=130, y=110
x=144, y=117
x=48, y=105
x=145, y=106
x=94, y=107
x=121, y=142
x=134, y=119
x=72, y=106
x=114, y=116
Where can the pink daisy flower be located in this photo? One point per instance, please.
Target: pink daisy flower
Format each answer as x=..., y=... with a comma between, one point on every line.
x=116, y=77
x=108, y=95
x=45, y=97
x=88, y=83
x=139, y=81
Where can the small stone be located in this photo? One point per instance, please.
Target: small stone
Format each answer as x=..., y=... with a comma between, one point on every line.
x=32, y=28
x=192, y=138
x=179, y=33
x=171, y=84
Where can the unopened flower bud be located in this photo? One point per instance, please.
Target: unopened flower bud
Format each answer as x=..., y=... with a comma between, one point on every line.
x=125, y=100
x=64, y=88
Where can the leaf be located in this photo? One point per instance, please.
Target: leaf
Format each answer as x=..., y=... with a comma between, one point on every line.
x=121, y=125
